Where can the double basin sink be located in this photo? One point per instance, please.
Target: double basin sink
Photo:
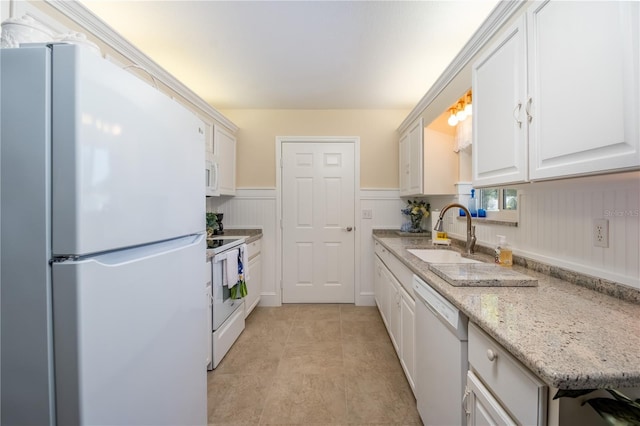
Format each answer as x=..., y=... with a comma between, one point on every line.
x=461, y=271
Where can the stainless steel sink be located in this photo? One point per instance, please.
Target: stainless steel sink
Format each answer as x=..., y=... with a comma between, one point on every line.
x=440, y=256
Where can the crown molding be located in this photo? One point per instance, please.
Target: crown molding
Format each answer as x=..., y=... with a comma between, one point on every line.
x=86, y=19
x=499, y=15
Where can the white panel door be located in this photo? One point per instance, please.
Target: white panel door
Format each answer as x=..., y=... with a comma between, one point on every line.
x=318, y=218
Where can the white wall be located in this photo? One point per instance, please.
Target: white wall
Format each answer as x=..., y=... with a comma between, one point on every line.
x=256, y=208
x=556, y=220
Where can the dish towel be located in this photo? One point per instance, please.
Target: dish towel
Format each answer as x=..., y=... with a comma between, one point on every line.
x=239, y=291
x=231, y=269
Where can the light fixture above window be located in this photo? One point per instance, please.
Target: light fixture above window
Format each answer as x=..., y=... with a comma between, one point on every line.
x=460, y=110
x=453, y=120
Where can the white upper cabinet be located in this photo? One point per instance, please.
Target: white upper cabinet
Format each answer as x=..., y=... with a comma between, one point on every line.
x=584, y=85
x=411, y=160
x=428, y=164
x=500, y=150
x=558, y=94
x=224, y=146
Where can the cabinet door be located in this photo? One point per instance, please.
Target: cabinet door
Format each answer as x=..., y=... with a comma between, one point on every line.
x=405, y=163
x=378, y=284
x=416, y=158
x=500, y=149
x=254, y=284
x=393, y=312
x=407, y=321
x=584, y=79
x=225, y=153
x=482, y=408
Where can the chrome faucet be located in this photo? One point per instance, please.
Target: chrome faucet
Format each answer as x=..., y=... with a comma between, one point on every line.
x=471, y=230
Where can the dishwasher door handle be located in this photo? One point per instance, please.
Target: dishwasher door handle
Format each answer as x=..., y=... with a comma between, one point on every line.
x=428, y=306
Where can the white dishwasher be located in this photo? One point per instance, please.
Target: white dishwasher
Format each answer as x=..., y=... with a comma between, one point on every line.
x=441, y=357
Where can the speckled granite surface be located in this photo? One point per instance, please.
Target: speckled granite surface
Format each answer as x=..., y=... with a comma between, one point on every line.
x=481, y=275
x=572, y=337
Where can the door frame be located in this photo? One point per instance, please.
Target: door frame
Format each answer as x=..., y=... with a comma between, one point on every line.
x=355, y=140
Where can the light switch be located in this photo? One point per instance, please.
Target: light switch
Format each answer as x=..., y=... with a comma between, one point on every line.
x=367, y=214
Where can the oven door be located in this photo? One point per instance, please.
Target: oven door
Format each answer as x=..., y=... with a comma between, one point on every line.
x=223, y=304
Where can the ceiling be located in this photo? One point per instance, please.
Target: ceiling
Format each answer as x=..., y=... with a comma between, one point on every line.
x=299, y=54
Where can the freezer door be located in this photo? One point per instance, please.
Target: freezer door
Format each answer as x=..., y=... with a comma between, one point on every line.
x=128, y=161
x=129, y=336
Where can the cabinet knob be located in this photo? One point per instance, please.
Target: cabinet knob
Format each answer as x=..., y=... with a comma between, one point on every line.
x=491, y=355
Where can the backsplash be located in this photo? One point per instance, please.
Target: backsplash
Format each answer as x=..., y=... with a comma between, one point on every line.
x=556, y=220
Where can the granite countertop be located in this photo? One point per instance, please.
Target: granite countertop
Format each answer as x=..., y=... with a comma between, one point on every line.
x=572, y=337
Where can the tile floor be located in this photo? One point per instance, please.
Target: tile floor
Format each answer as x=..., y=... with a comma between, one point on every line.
x=306, y=364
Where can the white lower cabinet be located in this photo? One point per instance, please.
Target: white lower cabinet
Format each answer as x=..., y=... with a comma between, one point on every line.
x=254, y=279
x=408, y=338
x=397, y=307
x=393, y=313
x=504, y=384
x=481, y=407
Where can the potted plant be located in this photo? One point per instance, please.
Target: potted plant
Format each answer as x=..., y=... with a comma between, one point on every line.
x=617, y=411
x=212, y=224
x=416, y=210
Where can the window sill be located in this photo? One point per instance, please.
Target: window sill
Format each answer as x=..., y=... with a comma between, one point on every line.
x=489, y=221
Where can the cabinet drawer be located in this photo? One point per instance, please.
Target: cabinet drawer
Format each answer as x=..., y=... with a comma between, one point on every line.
x=397, y=268
x=519, y=391
x=254, y=248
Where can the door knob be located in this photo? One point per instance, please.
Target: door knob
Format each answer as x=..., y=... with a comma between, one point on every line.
x=349, y=229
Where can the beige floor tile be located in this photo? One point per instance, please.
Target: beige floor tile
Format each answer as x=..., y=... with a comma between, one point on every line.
x=306, y=399
x=362, y=313
x=268, y=330
x=237, y=399
x=265, y=313
x=364, y=330
x=370, y=356
x=252, y=357
x=315, y=331
x=303, y=364
x=317, y=312
x=374, y=398
x=312, y=358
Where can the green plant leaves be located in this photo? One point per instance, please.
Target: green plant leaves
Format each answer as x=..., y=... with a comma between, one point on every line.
x=621, y=411
x=615, y=412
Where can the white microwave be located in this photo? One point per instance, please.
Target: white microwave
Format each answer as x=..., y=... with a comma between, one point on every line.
x=211, y=179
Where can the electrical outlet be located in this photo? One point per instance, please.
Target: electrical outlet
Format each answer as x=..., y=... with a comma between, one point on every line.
x=367, y=214
x=601, y=233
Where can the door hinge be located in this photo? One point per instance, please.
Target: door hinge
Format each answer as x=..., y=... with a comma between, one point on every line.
x=281, y=224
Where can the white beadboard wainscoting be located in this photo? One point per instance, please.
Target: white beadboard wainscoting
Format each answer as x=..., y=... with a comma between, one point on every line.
x=256, y=208
x=385, y=206
x=555, y=225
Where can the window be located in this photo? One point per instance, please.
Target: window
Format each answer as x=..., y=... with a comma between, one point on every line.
x=500, y=203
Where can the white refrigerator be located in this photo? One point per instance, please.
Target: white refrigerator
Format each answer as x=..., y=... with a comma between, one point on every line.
x=103, y=314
